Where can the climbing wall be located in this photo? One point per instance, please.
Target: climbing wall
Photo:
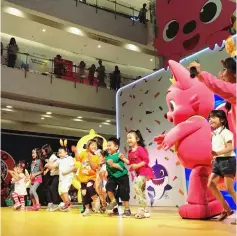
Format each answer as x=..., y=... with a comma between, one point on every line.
x=142, y=105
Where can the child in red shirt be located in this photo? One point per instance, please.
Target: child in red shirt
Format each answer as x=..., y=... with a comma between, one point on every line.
x=138, y=158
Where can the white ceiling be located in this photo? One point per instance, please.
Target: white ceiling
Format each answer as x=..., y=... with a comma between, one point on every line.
x=62, y=119
x=136, y=63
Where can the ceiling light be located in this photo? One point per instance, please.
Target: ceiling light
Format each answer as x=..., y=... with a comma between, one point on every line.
x=48, y=116
x=14, y=11
x=105, y=123
x=6, y=109
x=99, y=46
x=10, y=107
x=132, y=47
x=75, y=30
x=44, y=30
x=49, y=113
x=151, y=60
x=42, y=118
x=77, y=119
x=108, y=121
x=100, y=126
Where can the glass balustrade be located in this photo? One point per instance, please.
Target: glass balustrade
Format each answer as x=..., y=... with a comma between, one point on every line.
x=60, y=69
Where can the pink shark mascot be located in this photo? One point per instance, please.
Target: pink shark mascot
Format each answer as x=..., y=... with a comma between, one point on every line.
x=190, y=102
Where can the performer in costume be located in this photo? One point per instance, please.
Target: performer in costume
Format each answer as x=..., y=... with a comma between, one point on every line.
x=190, y=103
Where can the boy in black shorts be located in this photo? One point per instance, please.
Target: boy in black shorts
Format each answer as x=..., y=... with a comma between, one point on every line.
x=117, y=178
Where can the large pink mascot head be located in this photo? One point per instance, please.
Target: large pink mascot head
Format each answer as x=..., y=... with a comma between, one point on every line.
x=190, y=102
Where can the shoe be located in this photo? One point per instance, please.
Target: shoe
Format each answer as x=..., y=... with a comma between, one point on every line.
x=17, y=206
x=49, y=206
x=87, y=212
x=233, y=222
x=127, y=213
x=23, y=208
x=54, y=207
x=37, y=206
x=142, y=213
x=65, y=207
x=32, y=208
x=83, y=210
x=111, y=206
x=225, y=214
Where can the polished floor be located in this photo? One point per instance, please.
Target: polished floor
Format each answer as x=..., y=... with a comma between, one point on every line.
x=164, y=221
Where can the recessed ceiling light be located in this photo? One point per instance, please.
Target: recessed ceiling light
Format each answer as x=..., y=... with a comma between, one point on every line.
x=151, y=60
x=6, y=109
x=108, y=121
x=75, y=30
x=48, y=116
x=10, y=107
x=77, y=119
x=132, y=47
x=105, y=123
x=44, y=30
x=49, y=113
x=99, y=46
x=42, y=118
x=100, y=126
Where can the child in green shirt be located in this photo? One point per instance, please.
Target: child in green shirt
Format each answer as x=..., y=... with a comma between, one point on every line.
x=117, y=177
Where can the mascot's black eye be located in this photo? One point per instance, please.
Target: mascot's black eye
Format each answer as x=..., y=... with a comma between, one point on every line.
x=171, y=30
x=84, y=146
x=162, y=173
x=210, y=11
x=172, y=105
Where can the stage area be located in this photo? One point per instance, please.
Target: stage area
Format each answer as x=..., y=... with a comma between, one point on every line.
x=164, y=221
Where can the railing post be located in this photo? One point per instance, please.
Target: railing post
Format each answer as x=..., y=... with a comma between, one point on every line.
x=115, y=9
x=76, y=3
x=96, y=6
x=26, y=64
x=51, y=76
x=133, y=16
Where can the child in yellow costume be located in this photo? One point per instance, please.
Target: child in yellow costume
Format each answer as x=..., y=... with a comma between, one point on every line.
x=81, y=146
x=87, y=176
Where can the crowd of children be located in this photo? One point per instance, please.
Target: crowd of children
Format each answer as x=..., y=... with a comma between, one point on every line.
x=104, y=177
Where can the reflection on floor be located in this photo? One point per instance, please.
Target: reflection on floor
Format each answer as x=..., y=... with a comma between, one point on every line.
x=164, y=221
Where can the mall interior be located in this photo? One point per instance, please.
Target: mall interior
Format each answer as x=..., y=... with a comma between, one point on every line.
x=73, y=71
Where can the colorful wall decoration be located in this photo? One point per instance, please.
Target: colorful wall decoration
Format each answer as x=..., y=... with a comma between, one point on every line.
x=141, y=105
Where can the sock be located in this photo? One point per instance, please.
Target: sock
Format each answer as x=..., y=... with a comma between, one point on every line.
x=22, y=200
x=15, y=198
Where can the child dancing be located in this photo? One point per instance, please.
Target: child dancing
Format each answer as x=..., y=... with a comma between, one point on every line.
x=19, y=179
x=36, y=179
x=117, y=178
x=139, y=160
x=66, y=166
x=87, y=176
x=224, y=164
x=101, y=175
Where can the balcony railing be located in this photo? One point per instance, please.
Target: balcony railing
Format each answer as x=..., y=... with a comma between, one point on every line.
x=113, y=6
x=68, y=70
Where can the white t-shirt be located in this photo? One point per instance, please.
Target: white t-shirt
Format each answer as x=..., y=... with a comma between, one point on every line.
x=219, y=139
x=53, y=158
x=20, y=186
x=64, y=164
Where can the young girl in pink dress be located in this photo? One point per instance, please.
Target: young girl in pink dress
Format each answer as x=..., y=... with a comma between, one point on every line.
x=138, y=159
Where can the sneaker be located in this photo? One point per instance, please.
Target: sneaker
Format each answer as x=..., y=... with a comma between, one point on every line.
x=23, y=208
x=32, y=208
x=147, y=214
x=140, y=213
x=65, y=207
x=87, y=212
x=37, y=206
x=49, y=206
x=127, y=213
x=54, y=207
x=111, y=206
x=17, y=206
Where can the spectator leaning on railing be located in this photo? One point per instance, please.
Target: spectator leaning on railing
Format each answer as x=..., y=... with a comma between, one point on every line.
x=12, y=50
x=101, y=74
x=142, y=14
